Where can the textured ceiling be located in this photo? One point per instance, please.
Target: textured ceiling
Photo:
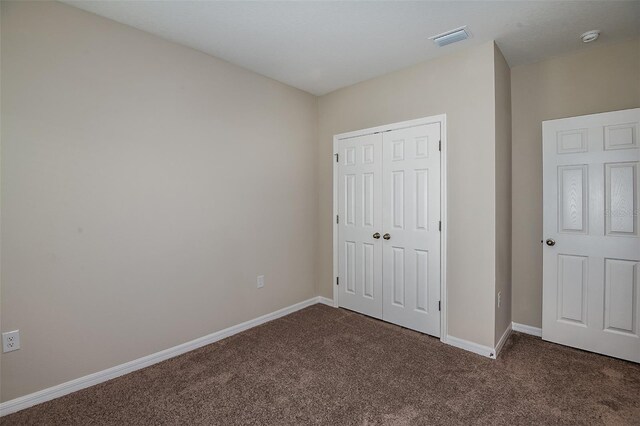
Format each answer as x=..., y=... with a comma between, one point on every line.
x=322, y=46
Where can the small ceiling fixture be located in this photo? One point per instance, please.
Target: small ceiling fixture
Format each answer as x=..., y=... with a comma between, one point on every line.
x=590, y=36
x=451, y=36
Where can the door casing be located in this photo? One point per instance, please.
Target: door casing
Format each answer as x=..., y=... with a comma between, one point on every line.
x=442, y=119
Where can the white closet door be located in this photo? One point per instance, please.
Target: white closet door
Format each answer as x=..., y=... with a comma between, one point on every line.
x=411, y=218
x=360, y=218
x=591, y=287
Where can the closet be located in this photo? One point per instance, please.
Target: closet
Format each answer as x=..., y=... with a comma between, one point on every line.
x=389, y=224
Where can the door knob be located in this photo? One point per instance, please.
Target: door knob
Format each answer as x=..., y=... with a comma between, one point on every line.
x=386, y=236
x=376, y=235
x=551, y=242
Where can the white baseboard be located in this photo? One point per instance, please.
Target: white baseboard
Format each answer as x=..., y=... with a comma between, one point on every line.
x=326, y=301
x=478, y=348
x=527, y=329
x=470, y=346
x=503, y=340
x=62, y=389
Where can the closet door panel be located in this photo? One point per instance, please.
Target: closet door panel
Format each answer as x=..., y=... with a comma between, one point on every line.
x=360, y=218
x=411, y=218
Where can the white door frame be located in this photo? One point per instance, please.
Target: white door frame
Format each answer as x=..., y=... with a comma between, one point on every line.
x=442, y=119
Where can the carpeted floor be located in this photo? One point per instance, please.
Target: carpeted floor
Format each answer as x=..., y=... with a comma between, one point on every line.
x=330, y=366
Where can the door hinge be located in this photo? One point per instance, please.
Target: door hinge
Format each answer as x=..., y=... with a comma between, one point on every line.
x=439, y=305
x=439, y=145
x=337, y=219
x=337, y=280
x=440, y=225
x=337, y=157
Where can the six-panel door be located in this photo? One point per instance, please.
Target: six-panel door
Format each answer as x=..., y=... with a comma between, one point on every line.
x=388, y=230
x=411, y=217
x=360, y=217
x=591, y=290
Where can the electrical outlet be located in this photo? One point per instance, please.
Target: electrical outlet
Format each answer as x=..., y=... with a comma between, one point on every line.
x=11, y=341
x=260, y=281
x=499, y=298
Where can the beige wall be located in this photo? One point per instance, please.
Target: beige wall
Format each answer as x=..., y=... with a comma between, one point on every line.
x=145, y=185
x=503, y=193
x=603, y=78
x=459, y=85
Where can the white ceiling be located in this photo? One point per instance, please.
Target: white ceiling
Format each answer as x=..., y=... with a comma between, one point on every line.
x=322, y=46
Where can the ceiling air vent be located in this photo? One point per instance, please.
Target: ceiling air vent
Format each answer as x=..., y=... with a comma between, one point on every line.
x=449, y=37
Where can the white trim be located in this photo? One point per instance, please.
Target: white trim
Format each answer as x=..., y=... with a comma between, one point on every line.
x=527, y=329
x=470, y=346
x=444, y=230
x=62, y=389
x=335, y=225
x=478, y=348
x=393, y=126
x=442, y=119
x=326, y=301
x=503, y=340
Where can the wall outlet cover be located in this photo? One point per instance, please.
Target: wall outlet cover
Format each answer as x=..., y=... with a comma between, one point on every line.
x=11, y=341
x=260, y=282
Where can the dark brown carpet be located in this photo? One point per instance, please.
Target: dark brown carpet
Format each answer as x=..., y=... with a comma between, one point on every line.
x=330, y=366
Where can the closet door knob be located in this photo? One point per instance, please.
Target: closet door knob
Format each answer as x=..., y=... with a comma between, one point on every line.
x=386, y=236
x=376, y=235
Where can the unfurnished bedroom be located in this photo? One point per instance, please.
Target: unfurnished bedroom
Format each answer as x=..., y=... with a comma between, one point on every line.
x=320, y=212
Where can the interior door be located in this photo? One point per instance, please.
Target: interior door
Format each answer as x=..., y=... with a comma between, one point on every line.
x=411, y=222
x=591, y=290
x=360, y=224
